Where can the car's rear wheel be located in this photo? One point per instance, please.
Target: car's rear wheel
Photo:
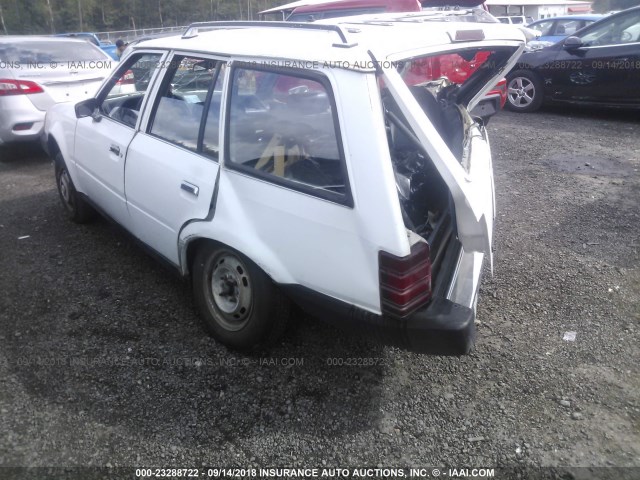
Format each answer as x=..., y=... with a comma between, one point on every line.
x=524, y=91
x=240, y=305
x=75, y=206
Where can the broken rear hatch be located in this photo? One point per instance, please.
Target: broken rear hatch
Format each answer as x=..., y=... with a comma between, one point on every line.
x=430, y=106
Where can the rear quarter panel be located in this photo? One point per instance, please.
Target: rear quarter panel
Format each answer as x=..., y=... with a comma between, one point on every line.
x=346, y=244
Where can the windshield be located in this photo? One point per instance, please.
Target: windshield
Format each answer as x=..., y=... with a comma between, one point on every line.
x=46, y=52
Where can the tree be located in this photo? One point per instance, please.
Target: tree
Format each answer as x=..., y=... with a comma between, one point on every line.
x=58, y=16
x=603, y=6
x=53, y=26
x=4, y=27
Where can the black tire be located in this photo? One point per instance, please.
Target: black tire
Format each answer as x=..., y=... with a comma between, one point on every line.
x=525, y=91
x=77, y=209
x=246, y=311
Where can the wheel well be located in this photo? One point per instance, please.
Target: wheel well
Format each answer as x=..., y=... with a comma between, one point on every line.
x=53, y=147
x=192, y=248
x=531, y=72
x=194, y=245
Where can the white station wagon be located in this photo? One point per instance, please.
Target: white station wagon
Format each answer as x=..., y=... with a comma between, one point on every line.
x=326, y=165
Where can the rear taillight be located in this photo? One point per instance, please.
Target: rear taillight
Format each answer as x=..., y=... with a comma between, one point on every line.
x=18, y=87
x=20, y=127
x=405, y=282
x=126, y=79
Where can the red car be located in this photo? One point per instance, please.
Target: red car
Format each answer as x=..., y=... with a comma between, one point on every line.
x=457, y=70
x=452, y=66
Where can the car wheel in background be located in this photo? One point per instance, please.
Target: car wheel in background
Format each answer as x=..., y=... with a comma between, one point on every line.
x=240, y=305
x=524, y=91
x=76, y=207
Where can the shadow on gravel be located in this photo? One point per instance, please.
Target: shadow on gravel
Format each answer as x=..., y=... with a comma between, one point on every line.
x=21, y=152
x=609, y=230
x=97, y=328
x=572, y=111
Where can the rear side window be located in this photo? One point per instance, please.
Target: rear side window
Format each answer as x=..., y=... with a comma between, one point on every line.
x=211, y=140
x=180, y=102
x=621, y=28
x=283, y=128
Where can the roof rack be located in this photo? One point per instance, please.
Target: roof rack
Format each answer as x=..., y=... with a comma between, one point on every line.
x=192, y=30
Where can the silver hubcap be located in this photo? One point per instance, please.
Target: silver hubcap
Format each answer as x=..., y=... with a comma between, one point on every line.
x=521, y=92
x=65, y=188
x=231, y=291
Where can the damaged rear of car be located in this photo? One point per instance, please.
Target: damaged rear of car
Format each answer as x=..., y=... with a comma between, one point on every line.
x=444, y=178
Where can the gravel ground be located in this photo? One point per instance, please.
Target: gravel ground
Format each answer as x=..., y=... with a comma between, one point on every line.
x=103, y=361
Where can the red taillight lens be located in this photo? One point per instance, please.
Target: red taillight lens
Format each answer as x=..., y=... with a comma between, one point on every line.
x=18, y=87
x=18, y=127
x=126, y=79
x=405, y=282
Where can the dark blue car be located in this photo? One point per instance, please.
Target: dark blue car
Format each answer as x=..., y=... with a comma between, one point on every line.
x=598, y=65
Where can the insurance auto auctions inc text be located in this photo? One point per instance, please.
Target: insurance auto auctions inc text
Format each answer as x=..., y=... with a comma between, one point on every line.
x=284, y=473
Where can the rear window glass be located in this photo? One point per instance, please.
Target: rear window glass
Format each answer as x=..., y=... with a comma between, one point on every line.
x=49, y=51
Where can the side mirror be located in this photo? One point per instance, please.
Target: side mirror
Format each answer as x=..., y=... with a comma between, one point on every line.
x=86, y=108
x=571, y=43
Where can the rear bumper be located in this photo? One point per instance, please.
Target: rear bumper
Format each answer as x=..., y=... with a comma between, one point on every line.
x=446, y=326
x=16, y=113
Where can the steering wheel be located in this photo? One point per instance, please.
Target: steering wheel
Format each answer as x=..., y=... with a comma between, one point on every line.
x=626, y=36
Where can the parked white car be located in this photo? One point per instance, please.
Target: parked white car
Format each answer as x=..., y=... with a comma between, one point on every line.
x=36, y=72
x=303, y=167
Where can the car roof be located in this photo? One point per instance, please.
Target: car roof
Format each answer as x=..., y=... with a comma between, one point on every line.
x=75, y=34
x=346, y=40
x=39, y=38
x=303, y=6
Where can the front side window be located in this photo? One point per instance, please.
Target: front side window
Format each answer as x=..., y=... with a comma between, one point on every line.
x=283, y=128
x=614, y=31
x=181, y=99
x=124, y=98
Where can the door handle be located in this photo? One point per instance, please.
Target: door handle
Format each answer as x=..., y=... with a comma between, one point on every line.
x=115, y=149
x=190, y=188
